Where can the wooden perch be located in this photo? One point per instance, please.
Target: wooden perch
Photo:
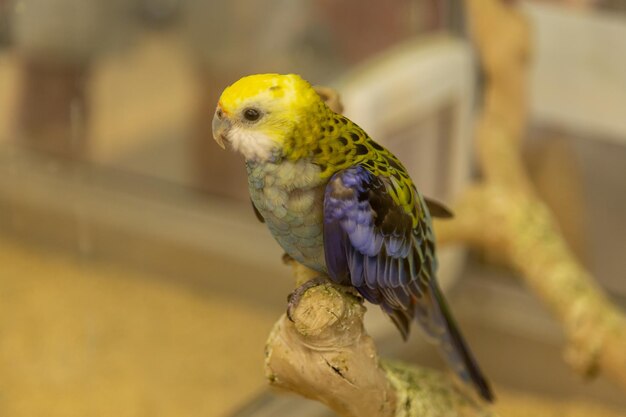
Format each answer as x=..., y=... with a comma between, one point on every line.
x=503, y=216
x=326, y=355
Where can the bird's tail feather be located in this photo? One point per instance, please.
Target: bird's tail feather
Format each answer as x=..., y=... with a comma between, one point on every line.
x=454, y=348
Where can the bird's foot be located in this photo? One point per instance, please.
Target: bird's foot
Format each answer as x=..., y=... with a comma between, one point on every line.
x=294, y=298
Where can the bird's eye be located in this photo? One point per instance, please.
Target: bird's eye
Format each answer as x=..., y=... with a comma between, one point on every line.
x=251, y=115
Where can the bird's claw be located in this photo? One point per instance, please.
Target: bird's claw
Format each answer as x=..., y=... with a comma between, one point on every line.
x=294, y=298
x=287, y=259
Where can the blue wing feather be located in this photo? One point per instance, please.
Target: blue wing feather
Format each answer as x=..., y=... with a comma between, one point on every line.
x=372, y=249
x=370, y=243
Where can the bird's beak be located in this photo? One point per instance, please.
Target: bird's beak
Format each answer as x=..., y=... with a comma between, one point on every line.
x=221, y=125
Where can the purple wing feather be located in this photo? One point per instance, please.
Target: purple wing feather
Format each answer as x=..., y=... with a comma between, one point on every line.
x=371, y=244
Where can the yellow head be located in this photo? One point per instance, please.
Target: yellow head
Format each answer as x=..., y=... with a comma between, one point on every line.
x=259, y=113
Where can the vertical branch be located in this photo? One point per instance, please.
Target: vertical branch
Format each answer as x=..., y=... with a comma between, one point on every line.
x=502, y=38
x=503, y=215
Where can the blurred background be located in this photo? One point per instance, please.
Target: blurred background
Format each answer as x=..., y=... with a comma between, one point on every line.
x=134, y=277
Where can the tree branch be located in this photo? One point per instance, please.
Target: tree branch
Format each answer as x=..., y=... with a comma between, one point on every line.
x=503, y=216
x=326, y=355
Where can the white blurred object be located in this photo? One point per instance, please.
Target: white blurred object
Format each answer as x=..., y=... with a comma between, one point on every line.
x=578, y=73
x=417, y=101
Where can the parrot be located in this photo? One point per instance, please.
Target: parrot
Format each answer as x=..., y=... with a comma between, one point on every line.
x=341, y=204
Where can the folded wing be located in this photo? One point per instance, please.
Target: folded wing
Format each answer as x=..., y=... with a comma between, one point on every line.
x=388, y=254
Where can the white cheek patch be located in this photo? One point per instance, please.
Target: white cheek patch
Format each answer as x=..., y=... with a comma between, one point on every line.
x=253, y=145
